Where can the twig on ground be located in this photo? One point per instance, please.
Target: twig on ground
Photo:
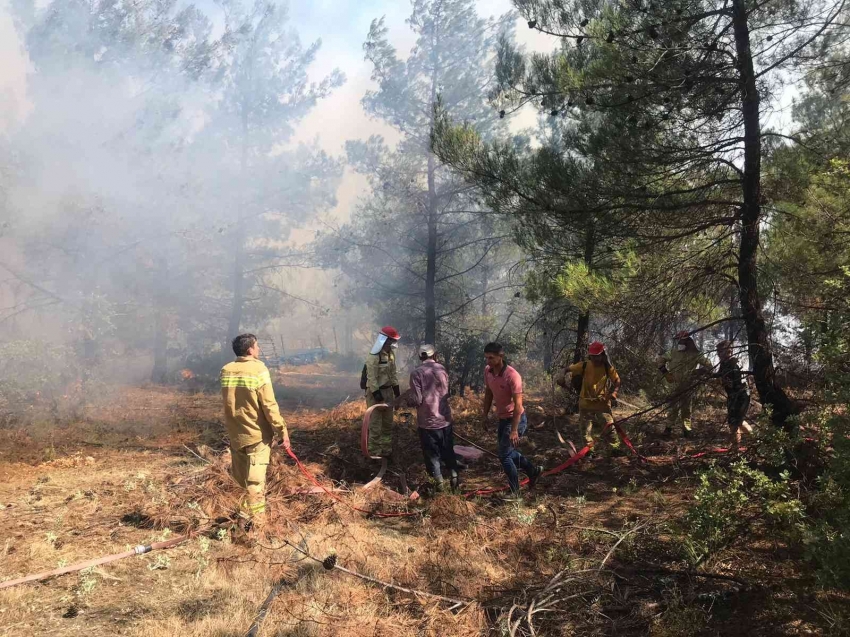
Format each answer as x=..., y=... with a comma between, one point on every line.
x=479, y=447
x=201, y=458
x=618, y=542
x=254, y=630
x=545, y=599
x=594, y=530
x=653, y=568
x=456, y=602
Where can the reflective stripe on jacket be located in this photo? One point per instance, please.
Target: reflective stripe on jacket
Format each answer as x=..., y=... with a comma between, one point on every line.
x=251, y=413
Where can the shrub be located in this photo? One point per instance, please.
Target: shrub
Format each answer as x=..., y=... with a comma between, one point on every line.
x=828, y=541
x=730, y=500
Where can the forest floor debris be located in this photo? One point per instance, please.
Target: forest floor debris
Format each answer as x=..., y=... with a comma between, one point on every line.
x=607, y=526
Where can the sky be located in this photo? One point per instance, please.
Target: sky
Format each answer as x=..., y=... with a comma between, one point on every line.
x=342, y=26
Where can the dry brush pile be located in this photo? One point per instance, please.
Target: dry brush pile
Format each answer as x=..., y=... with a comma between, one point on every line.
x=456, y=567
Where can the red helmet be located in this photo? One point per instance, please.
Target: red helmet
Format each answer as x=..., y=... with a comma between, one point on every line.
x=595, y=348
x=390, y=332
x=680, y=336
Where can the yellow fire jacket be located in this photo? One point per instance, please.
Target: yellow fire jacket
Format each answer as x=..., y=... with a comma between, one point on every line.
x=250, y=408
x=682, y=365
x=380, y=371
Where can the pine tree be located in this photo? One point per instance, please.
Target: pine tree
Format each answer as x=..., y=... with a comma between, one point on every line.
x=263, y=94
x=422, y=234
x=689, y=84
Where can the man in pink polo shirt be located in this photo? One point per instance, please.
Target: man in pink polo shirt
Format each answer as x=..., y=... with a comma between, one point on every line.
x=504, y=387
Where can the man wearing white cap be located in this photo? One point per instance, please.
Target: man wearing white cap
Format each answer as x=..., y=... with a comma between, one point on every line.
x=429, y=393
x=382, y=387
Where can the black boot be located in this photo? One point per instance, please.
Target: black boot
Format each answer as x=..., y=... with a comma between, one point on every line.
x=534, y=477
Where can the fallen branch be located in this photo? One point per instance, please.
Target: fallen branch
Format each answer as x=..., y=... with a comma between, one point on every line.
x=254, y=630
x=652, y=568
x=594, y=530
x=412, y=591
x=543, y=601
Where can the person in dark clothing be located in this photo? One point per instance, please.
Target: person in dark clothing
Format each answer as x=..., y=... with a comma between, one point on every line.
x=429, y=393
x=737, y=393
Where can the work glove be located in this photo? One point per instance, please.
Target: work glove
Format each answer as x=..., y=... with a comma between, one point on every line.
x=378, y=396
x=396, y=391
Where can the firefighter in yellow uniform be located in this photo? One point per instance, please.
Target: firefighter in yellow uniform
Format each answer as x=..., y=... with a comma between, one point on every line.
x=596, y=395
x=682, y=367
x=252, y=418
x=382, y=387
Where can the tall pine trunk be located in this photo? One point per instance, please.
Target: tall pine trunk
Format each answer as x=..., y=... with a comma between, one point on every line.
x=431, y=255
x=431, y=250
x=583, y=324
x=760, y=351
x=237, y=289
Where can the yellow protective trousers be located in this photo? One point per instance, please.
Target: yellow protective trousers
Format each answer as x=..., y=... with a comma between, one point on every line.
x=381, y=430
x=602, y=419
x=249, y=467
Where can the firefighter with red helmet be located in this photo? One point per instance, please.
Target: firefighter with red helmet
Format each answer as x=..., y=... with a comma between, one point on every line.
x=382, y=387
x=597, y=383
x=682, y=367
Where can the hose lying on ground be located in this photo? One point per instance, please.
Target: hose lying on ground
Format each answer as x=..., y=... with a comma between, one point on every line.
x=79, y=566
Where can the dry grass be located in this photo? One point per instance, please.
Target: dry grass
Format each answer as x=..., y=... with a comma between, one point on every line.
x=93, y=500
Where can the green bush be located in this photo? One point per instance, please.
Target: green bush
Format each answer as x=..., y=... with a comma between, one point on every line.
x=730, y=500
x=828, y=541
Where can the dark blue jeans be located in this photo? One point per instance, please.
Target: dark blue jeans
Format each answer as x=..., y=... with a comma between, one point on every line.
x=512, y=460
x=437, y=445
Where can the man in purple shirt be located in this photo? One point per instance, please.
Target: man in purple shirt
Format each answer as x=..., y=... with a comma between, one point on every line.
x=429, y=393
x=504, y=387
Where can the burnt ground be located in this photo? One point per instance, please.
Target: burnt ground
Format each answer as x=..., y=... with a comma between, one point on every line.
x=122, y=474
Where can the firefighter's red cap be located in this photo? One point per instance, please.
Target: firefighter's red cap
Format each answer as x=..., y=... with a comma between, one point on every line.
x=596, y=348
